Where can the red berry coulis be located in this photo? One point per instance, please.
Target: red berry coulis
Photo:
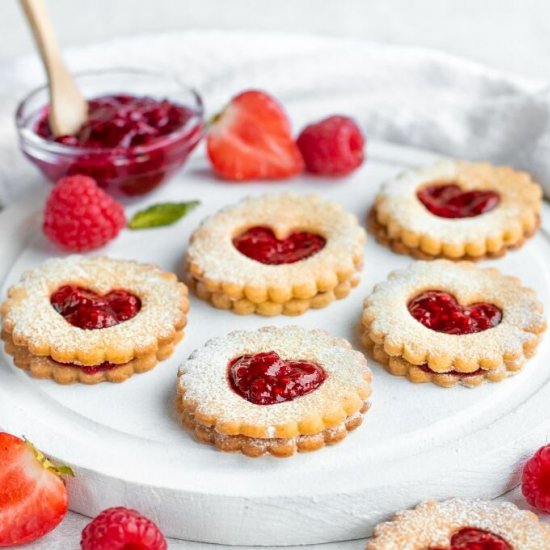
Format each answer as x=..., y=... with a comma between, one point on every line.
x=266, y=379
x=86, y=309
x=261, y=244
x=471, y=538
x=440, y=311
x=450, y=201
x=113, y=139
x=122, y=121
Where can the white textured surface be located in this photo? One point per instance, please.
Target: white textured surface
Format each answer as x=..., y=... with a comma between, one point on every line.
x=67, y=535
x=215, y=70
x=127, y=445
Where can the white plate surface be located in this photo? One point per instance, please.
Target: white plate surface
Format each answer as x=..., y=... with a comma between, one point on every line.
x=417, y=441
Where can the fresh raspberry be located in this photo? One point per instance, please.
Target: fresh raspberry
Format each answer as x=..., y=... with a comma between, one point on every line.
x=332, y=147
x=252, y=139
x=80, y=216
x=535, y=482
x=120, y=528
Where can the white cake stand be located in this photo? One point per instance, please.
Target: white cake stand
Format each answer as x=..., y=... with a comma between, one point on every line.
x=417, y=442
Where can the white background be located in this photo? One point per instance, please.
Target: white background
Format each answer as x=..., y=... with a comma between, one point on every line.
x=507, y=34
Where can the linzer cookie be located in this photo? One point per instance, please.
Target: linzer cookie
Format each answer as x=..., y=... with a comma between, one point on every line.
x=447, y=322
x=81, y=319
x=274, y=390
x=276, y=254
x=456, y=210
x=462, y=524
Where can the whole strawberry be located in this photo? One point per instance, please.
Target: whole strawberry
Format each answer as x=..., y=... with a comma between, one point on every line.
x=80, y=216
x=252, y=139
x=33, y=497
x=122, y=528
x=333, y=146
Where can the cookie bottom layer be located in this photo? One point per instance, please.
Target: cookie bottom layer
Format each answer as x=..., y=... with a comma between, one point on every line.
x=420, y=374
x=292, y=307
x=380, y=233
x=279, y=447
x=46, y=367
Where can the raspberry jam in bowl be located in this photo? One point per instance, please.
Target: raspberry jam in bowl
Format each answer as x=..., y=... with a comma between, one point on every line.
x=140, y=129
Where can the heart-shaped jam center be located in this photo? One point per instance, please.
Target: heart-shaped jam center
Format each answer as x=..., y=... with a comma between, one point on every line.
x=450, y=201
x=440, y=311
x=471, y=538
x=86, y=309
x=266, y=379
x=261, y=244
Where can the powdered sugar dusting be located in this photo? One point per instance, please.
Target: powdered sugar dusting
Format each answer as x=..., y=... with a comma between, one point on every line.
x=204, y=374
x=32, y=318
x=522, y=317
x=212, y=249
x=432, y=524
x=519, y=197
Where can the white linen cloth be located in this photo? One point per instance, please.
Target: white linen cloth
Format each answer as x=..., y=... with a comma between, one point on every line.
x=410, y=96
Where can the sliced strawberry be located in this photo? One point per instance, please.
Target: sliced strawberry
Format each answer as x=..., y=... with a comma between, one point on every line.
x=252, y=139
x=33, y=497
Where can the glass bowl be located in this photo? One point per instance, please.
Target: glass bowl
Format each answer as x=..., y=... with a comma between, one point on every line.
x=132, y=170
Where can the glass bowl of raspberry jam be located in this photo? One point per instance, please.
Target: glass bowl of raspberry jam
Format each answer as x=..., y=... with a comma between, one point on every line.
x=141, y=127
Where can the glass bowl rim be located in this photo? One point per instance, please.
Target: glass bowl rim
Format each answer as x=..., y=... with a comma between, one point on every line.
x=34, y=140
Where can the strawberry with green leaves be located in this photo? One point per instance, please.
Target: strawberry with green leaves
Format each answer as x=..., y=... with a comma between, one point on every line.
x=33, y=497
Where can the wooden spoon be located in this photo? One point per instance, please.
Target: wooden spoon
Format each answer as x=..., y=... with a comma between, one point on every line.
x=68, y=108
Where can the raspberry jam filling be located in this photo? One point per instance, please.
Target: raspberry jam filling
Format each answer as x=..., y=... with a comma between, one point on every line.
x=448, y=200
x=440, y=311
x=266, y=379
x=86, y=309
x=128, y=144
x=456, y=373
x=471, y=538
x=122, y=121
x=91, y=369
x=261, y=244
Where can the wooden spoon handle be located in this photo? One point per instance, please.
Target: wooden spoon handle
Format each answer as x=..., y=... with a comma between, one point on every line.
x=68, y=108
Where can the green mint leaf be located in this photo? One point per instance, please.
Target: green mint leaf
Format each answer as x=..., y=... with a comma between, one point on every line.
x=158, y=215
